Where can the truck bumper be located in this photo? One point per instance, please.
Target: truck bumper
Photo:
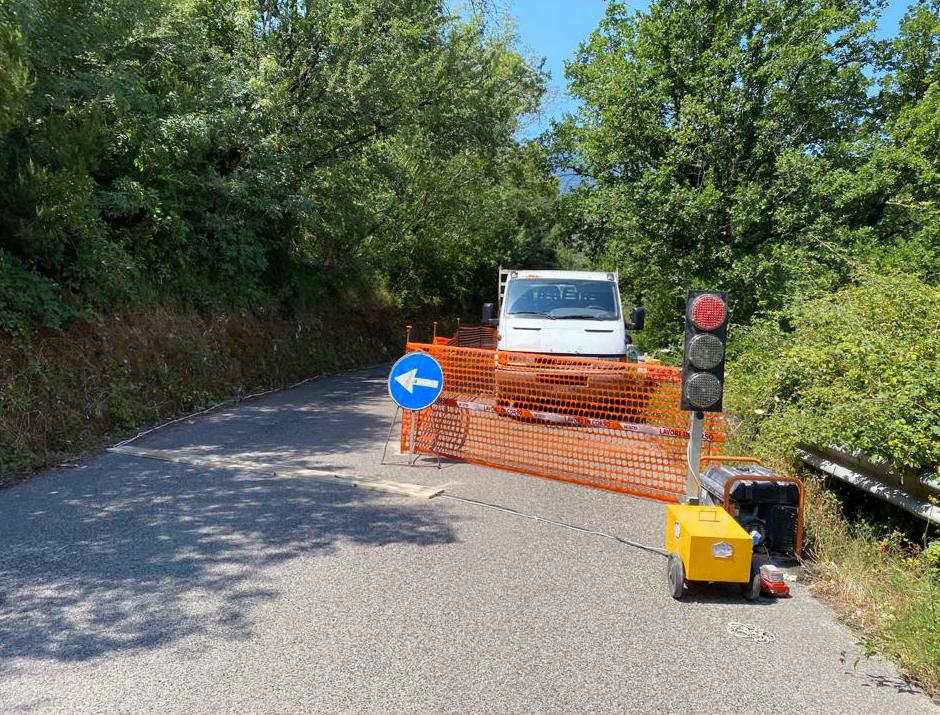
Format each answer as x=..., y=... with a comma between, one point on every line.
x=614, y=395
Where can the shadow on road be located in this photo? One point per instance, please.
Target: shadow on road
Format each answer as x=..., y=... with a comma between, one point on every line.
x=891, y=682
x=718, y=593
x=130, y=554
x=332, y=417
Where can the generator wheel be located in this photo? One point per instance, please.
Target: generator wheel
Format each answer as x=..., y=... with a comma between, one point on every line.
x=675, y=574
x=751, y=589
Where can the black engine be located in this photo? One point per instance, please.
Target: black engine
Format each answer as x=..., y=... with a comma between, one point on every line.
x=771, y=508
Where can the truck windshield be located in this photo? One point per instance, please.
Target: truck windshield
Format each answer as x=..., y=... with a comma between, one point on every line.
x=571, y=299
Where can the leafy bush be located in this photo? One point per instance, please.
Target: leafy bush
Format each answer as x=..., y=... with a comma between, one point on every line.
x=14, y=77
x=27, y=298
x=932, y=558
x=856, y=367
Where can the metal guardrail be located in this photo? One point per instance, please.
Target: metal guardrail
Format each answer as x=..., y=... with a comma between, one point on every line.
x=917, y=495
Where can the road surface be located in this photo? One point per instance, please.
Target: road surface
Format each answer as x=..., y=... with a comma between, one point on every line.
x=134, y=585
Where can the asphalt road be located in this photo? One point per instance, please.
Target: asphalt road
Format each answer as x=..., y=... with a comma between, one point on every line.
x=134, y=585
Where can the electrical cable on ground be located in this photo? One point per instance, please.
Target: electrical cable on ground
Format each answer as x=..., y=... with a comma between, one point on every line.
x=534, y=517
x=751, y=633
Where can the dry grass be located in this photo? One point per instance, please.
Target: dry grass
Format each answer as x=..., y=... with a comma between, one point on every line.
x=884, y=585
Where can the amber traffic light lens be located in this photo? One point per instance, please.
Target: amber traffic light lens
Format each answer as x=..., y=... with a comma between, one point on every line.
x=706, y=351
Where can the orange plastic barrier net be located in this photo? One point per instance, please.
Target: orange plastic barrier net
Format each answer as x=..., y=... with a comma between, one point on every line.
x=600, y=423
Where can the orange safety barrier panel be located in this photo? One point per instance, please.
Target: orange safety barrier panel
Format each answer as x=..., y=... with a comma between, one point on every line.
x=474, y=336
x=607, y=424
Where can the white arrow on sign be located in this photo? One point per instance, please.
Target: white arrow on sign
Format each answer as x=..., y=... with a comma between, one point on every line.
x=409, y=379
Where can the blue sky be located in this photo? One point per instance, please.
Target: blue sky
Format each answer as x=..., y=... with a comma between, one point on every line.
x=553, y=29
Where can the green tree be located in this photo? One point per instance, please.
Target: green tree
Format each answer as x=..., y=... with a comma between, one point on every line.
x=904, y=170
x=261, y=155
x=711, y=147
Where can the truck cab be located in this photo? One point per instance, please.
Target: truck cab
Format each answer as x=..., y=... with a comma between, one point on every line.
x=546, y=315
x=563, y=313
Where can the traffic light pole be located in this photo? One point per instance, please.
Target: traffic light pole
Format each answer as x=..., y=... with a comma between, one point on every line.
x=703, y=373
x=696, y=435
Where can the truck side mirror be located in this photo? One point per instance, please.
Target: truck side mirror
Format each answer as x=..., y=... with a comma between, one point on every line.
x=638, y=318
x=489, y=315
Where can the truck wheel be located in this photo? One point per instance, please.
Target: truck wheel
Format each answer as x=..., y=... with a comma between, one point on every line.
x=675, y=575
x=751, y=589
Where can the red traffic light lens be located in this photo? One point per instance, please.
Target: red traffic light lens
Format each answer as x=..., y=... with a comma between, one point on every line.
x=708, y=312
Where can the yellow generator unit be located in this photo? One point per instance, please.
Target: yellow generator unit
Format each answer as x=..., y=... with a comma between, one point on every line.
x=705, y=543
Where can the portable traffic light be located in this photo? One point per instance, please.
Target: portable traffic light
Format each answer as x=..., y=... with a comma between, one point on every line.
x=703, y=359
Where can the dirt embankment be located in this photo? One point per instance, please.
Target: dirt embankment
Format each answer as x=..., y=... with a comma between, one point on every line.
x=65, y=393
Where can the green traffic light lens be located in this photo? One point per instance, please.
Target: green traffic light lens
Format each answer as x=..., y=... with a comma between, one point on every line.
x=703, y=390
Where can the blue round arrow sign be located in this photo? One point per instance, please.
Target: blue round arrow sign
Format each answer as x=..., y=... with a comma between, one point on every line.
x=416, y=381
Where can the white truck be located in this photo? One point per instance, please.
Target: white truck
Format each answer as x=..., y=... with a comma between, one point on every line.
x=573, y=314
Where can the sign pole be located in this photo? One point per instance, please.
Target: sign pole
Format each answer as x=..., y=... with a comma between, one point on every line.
x=388, y=437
